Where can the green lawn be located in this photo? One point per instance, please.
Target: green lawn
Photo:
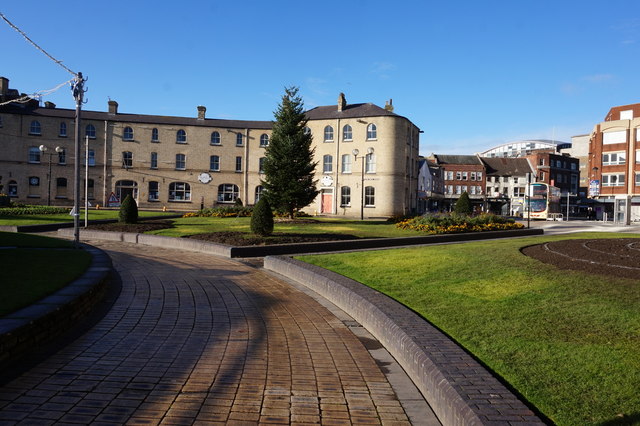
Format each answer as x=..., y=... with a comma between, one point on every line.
x=569, y=342
x=34, y=267
x=65, y=217
x=362, y=229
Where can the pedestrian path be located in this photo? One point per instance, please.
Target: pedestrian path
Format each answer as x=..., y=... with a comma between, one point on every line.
x=195, y=338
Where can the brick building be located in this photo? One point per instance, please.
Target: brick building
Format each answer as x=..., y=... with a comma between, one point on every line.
x=462, y=173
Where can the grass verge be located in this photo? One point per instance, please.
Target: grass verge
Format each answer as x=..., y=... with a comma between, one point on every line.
x=361, y=229
x=34, y=266
x=567, y=341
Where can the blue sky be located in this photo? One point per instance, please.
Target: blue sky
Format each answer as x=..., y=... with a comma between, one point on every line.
x=470, y=74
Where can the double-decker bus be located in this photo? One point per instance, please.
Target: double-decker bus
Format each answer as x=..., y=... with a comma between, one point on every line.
x=542, y=202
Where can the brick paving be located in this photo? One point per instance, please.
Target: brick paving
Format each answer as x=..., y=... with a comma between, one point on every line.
x=199, y=339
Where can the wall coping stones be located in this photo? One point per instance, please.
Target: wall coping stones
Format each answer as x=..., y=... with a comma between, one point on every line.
x=51, y=316
x=458, y=388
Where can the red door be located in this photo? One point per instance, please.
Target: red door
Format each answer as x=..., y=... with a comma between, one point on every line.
x=327, y=202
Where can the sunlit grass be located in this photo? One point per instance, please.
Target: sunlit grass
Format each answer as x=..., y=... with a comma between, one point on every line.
x=65, y=217
x=567, y=341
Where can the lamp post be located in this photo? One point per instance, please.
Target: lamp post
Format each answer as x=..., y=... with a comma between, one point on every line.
x=43, y=149
x=355, y=153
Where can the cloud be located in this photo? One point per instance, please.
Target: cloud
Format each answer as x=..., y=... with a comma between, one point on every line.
x=383, y=69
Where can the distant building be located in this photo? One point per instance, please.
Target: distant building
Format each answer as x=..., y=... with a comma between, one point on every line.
x=185, y=163
x=524, y=148
x=614, y=164
x=462, y=173
x=506, y=184
x=580, y=149
x=430, y=187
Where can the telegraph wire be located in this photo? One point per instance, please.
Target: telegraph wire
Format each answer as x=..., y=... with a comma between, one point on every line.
x=36, y=46
x=37, y=95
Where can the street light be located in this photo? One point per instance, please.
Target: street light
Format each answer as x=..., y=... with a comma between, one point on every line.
x=43, y=149
x=355, y=155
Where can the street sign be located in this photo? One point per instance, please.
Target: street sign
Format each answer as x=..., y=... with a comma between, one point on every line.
x=113, y=201
x=594, y=188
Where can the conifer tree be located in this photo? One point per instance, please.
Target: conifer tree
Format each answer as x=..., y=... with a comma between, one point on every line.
x=463, y=205
x=262, y=218
x=288, y=166
x=128, y=210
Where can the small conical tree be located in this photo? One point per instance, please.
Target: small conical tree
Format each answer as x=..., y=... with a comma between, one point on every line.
x=128, y=210
x=262, y=218
x=463, y=205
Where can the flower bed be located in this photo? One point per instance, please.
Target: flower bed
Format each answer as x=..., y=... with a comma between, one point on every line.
x=456, y=223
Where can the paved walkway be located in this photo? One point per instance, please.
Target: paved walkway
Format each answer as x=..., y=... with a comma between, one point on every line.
x=198, y=338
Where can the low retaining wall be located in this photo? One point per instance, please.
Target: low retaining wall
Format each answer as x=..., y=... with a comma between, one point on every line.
x=192, y=244
x=459, y=390
x=22, y=331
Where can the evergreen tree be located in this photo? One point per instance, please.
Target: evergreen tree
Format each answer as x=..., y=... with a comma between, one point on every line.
x=288, y=166
x=128, y=210
x=262, y=218
x=463, y=205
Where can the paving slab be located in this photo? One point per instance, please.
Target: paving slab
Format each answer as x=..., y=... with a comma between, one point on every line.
x=195, y=338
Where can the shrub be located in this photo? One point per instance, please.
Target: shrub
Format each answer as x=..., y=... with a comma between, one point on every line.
x=128, y=210
x=20, y=210
x=5, y=201
x=226, y=211
x=463, y=205
x=262, y=218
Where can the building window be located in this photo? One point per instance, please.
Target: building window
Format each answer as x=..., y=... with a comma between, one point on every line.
x=264, y=140
x=62, y=156
x=90, y=185
x=261, y=165
x=179, y=191
x=13, y=188
x=238, y=164
x=613, y=179
x=214, y=163
x=458, y=190
x=346, y=163
x=127, y=134
x=126, y=187
x=345, y=196
x=614, y=158
x=327, y=164
x=473, y=190
x=34, y=154
x=306, y=130
x=369, y=196
x=458, y=175
x=227, y=193
x=63, y=130
x=614, y=137
x=347, y=133
x=215, y=138
x=449, y=175
x=181, y=136
x=90, y=131
x=154, y=160
x=34, y=181
x=328, y=134
x=370, y=163
x=449, y=189
x=92, y=157
x=181, y=162
x=61, y=188
x=154, y=191
x=472, y=175
x=127, y=159
x=637, y=182
x=638, y=156
x=154, y=135
x=259, y=191
x=35, y=128
x=541, y=162
x=465, y=176
x=239, y=139
x=479, y=190
x=372, y=131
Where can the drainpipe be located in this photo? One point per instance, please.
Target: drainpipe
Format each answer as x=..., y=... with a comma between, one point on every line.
x=104, y=166
x=246, y=168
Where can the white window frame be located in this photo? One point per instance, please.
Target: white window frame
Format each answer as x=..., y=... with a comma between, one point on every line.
x=614, y=158
x=372, y=132
x=238, y=164
x=327, y=163
x=179, y=191
x=181, y=136
x=35, y=128
x=347, y=133
x=345, y=196
x=613, y=179
x=153, y=160
x=346, y=163
x=264, y=140
x=215, y=138
x=369, y=196
x=127, y=133
x=619, y=136
x=370, y=163
x=181, y=162
x=214, y=163
x=328, y=133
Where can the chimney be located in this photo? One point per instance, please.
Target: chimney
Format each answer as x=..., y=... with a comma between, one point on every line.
x=201, y=112
x=342, y=102
x=49, y=105
x=4, y=86
x=389, y=105
x=113, y=107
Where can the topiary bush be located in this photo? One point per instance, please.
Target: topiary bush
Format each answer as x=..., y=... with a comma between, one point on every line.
x=463, y=205
x=128, y=210
x=262, y=218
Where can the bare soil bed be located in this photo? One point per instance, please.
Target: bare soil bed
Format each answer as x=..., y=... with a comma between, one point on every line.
x=619, y=257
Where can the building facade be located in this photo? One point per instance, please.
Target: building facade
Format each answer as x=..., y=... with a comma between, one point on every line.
x=182, y=163
x=614, y=163
x=506, y=184
x=462, y=173
x=430, y=187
